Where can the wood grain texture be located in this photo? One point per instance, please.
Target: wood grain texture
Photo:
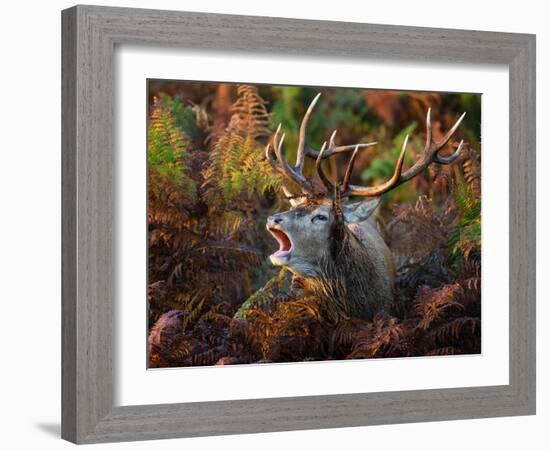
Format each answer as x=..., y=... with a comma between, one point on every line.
x=89, y=37
x=68, y=226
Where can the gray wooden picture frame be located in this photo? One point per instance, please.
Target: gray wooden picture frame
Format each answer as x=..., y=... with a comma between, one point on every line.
x=90, y=34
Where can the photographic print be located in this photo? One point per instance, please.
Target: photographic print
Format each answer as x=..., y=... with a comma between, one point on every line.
x=303, y=223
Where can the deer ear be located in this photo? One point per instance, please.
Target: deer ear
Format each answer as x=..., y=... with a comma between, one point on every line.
x=360, y=211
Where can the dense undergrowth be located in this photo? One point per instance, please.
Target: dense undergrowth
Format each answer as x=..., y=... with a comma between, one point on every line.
x=213, y=297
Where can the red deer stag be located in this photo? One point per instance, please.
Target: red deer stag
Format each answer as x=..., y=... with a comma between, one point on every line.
x=330, y=244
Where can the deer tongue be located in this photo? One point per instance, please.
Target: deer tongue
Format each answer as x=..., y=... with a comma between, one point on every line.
x=285, y=245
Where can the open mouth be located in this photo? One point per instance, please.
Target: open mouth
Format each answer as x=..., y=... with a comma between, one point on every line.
x=285, y=245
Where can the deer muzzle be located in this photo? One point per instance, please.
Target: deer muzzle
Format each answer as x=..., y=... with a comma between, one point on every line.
x=276, y=228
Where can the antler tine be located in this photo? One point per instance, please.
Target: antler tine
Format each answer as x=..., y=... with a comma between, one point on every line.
x=432, y=148
x=340, y=149
x=283, y=167
x=304, y=149
x=278, y=144
x=428, y=128
x=450, y=133
x=269, y=156
x=276, y=136
x=331, y=144
x=302, y=138
x=393, y=182
x=436, y=146
x=326, y=182
x=452, y=158
x=269, y=150
x=431, y=155
x=287, y=193
x=333, y=149
x=349, y=169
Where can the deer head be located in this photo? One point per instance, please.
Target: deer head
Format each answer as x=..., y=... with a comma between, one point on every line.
x=313, y=228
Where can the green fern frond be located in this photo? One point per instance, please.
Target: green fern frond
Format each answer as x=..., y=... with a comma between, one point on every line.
x=185, y=117
x=277, y=285
x=465, y=239
x=167, y=154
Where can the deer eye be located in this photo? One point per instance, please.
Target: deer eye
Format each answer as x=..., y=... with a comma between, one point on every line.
x=321, y=217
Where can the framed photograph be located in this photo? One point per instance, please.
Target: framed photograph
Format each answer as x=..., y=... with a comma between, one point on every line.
x=267, y=230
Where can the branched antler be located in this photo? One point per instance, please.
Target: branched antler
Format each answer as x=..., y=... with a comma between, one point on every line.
x=304, y=149
x=292, y=173
x=295, y=173
x=430, y=155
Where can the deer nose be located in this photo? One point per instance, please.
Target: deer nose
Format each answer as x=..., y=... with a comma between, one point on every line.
x=276, y=219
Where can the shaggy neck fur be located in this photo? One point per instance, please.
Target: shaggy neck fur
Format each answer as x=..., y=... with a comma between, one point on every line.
x=347, y=280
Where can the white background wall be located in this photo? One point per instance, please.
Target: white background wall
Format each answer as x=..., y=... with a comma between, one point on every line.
x=30, y=210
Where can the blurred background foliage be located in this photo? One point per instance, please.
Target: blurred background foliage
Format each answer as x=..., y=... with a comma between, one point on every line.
x=213, y=297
